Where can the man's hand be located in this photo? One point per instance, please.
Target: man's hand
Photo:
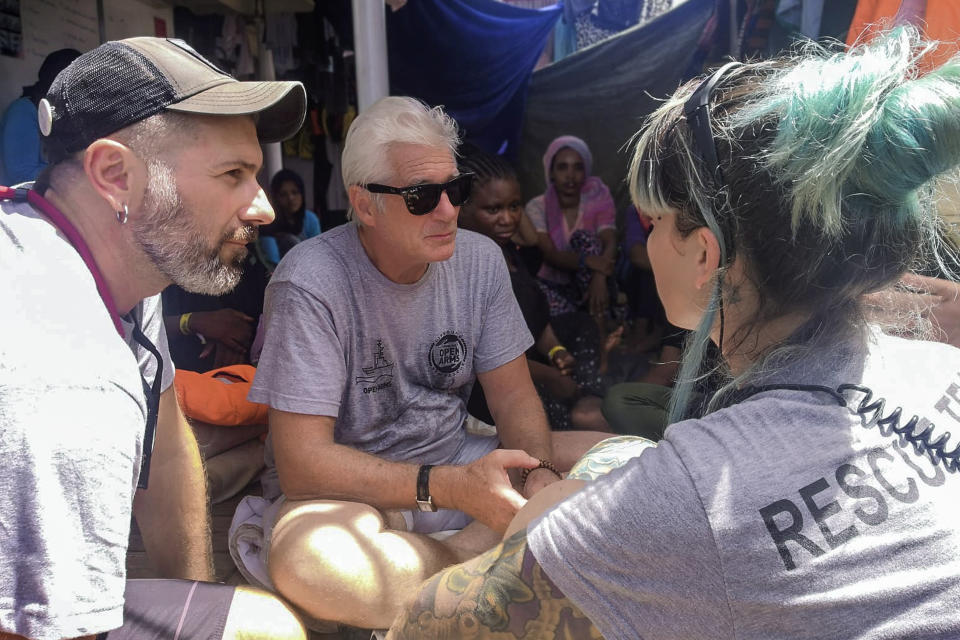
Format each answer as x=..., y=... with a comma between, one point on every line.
x=600, y=264
x=537, y=480
x=229, y=327
x=483, y=489
x=597, y=295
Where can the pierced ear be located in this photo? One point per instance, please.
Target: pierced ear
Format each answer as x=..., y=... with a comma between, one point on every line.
x=708, y=256
x=110, y=167
x=363, y=206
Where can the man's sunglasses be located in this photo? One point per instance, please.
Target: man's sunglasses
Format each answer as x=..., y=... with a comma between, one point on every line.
x=421, y=199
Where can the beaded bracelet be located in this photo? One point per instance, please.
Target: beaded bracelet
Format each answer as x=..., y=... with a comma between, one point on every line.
x=544, y=464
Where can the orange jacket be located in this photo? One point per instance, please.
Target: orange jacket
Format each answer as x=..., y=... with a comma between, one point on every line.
x=219, y=396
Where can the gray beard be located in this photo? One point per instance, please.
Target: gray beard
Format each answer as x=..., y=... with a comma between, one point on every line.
x=169, y=235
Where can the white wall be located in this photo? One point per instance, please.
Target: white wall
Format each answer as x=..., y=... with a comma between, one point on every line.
x=55, y=24
x=47, y=25
x=129, y=18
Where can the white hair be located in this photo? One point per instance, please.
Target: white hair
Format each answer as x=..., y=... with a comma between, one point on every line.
x=389, y=122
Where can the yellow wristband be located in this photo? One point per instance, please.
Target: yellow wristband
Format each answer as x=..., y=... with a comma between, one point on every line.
x=185, y=323
x=554, y=351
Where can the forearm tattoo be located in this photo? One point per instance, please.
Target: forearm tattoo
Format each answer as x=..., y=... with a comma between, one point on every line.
x=502, y=594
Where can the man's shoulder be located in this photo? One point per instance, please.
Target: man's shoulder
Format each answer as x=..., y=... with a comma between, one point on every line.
x=59, y=321
x=322, y=258
x=471, y=244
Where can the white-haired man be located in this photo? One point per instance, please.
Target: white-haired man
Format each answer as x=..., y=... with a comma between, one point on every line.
x=376, y=332
x=153, y=158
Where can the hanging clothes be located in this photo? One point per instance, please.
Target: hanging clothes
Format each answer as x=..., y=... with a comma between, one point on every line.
x=281, y=38
x=603, y=93
x=474, y=57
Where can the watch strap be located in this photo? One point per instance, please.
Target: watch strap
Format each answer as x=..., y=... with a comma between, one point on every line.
x=424, y=499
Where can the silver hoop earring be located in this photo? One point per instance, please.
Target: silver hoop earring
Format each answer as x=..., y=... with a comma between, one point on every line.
x=123, y=215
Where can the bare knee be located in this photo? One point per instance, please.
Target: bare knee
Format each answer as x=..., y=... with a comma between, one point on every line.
x=336, y=561
x=258, y=614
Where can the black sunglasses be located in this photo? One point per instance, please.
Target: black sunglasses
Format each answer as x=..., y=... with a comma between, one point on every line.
x=421, y=199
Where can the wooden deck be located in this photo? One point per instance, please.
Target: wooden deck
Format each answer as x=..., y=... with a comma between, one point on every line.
x=138, y=566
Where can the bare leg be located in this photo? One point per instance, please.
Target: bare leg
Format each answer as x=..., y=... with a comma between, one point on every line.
x=569, y=446
x=339, y=561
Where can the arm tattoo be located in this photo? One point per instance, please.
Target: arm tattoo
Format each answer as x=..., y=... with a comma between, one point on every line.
x=607, y=455
x=502, y=594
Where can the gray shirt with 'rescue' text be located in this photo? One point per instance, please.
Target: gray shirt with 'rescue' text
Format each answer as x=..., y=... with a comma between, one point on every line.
x=783, y=516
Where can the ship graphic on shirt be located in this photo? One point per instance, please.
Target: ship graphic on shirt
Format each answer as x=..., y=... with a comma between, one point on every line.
x=381, y=372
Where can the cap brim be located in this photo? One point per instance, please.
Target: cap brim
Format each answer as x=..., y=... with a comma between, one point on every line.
x=281, y=105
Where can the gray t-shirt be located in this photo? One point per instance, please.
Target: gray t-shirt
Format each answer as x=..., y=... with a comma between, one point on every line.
x=394, y=363
x=72, y=416
x=779, y=517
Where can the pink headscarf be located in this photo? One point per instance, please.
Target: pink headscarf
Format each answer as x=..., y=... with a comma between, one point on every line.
x=595, y=198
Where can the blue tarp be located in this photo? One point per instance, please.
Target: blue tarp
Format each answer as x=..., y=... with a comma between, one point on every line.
x=474, y=57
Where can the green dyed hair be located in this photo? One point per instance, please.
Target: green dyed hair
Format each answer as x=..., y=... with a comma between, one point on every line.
x=829, y=162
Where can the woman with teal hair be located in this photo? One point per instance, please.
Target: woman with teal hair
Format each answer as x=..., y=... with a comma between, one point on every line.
x=814, y=494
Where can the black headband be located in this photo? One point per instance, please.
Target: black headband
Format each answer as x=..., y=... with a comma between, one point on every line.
x=697, y=112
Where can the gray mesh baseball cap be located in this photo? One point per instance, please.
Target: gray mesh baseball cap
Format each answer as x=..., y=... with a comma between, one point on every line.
x=120, y=83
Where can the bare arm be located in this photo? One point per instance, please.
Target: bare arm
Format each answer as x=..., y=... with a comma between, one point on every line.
x=566, y=260
x=562, y=360
x=312, y=466
x=551, y=379
x=172, y=511
x=504, y=593
x=518, y=413
x=228, y=327
x=608, y=238
x=501, y=594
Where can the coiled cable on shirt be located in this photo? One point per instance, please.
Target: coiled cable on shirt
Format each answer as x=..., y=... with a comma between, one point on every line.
x=871, y=412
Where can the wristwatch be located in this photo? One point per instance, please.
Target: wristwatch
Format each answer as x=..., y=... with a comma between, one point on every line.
x=424, y=499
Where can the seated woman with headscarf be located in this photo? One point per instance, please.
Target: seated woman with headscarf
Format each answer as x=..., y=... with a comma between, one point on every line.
x=576, y=224
x=293, y=222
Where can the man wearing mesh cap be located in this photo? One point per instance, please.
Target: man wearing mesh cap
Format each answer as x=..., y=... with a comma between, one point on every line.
x=153, y=157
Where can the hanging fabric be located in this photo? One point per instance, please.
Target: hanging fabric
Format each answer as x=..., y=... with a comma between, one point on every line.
x=474, y=57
